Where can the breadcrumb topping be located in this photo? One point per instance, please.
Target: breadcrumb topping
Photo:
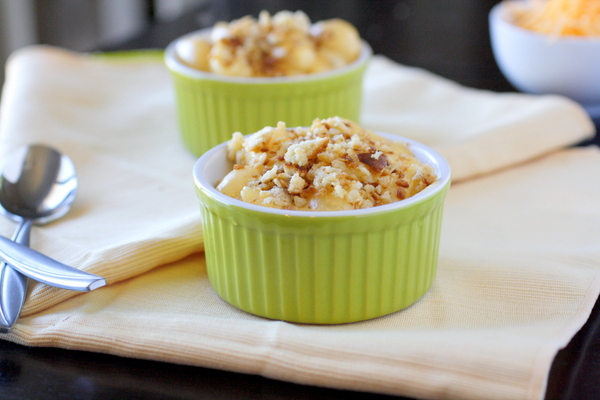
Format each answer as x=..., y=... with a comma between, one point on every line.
x=285, y=44
x=332, y=165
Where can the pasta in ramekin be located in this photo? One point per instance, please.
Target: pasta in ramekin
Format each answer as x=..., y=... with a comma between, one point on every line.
x=285, y=44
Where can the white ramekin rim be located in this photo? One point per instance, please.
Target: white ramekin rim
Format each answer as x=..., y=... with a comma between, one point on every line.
x=174, y=64
x=423, y=153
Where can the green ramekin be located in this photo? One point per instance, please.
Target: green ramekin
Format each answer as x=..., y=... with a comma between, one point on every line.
x=320, y=267
x=211, y=107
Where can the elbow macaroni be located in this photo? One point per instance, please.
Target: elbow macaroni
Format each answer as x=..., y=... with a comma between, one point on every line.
x=333, y=165
x=285, y=44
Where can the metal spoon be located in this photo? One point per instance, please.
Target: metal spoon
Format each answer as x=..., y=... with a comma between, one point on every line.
x=37, y=185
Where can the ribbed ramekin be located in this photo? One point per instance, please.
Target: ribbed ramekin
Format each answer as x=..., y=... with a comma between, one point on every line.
x=210, y=106
x=320, y=267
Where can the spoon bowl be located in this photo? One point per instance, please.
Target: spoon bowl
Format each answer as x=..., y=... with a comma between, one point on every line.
x=38, y=184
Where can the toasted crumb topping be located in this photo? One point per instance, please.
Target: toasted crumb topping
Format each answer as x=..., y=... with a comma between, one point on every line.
x=285, y=44
x=332, y=165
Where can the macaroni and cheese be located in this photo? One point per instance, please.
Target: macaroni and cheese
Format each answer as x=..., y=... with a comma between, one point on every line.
x=285, y=44
x=332, y=165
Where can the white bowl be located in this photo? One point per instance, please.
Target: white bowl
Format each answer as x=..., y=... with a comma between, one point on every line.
x=543, y=64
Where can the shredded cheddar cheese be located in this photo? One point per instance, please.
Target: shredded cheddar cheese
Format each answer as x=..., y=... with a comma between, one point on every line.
x=558, y=17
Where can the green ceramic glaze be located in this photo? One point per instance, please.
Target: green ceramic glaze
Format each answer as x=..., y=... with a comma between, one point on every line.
x=211, y=107
x=315, y=267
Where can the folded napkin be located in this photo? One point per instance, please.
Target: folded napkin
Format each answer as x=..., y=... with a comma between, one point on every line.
x=136, y=205
x=518, y=272
x=477, y=131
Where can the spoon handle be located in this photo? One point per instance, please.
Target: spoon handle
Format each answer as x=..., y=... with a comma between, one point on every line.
x=13, y=284
x=12, y=295
x=45, y=269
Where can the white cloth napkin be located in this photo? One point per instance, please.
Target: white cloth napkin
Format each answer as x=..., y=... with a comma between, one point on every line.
x=136, y=206
x=477, y=131
x=518, y=270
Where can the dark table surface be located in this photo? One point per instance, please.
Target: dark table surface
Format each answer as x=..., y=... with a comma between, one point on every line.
x=449, y=38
